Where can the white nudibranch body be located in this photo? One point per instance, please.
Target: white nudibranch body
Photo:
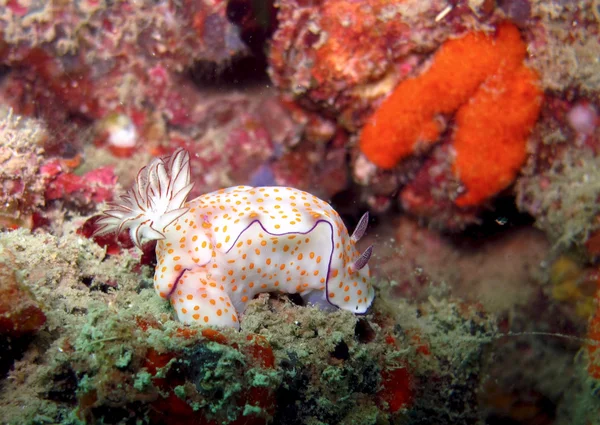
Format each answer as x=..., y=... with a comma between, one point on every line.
x=216, y=252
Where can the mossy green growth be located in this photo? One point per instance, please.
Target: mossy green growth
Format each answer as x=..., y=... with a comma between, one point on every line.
x=566, y=207
x=143, y=380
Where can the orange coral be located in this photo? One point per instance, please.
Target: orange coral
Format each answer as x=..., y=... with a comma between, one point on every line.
x=497, y=101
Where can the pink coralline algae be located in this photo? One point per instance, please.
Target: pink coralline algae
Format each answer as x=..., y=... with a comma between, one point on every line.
x=31, y=179
x=216, y=252
x=127, y=77
x=340, y=56
x=96, y=59
x=21, y=189
x=88, y=190
x=231, y=140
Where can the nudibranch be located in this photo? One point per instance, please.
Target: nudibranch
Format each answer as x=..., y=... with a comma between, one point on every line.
x=216, y=252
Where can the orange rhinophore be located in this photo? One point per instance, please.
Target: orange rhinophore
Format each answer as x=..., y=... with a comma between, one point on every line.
x=496, y=98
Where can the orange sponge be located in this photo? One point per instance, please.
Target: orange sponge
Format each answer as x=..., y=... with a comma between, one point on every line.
x=497, y=100
x=491, y=135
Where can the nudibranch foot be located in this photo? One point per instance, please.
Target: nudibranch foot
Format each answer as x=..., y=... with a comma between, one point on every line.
x=197, y=298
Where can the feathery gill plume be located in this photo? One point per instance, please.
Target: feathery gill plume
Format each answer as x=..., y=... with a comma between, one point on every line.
x=154, y=202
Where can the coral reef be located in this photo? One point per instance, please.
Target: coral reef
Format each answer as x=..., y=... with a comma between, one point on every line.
x=111, y=353
x=493, y=319
x=313, y=40
x=32, y=183
x=21, y=189
x=481, y=78
x=101, y=57
x=488, y=145
x=559, y=186
x=125, y=75
x=511, y=277
x=337, y=56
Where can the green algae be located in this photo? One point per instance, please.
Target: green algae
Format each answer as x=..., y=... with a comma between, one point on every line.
x=96, y=345
x=566, y=209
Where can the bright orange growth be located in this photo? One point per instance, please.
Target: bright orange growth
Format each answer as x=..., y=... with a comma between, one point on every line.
x=496, y=99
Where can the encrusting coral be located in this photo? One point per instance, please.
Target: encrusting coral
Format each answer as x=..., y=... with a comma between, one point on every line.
x=216, y=252
x=496, y=99
x=21, y=188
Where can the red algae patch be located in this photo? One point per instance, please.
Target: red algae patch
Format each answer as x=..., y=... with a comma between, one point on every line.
x=496, y=100
x=593, y=346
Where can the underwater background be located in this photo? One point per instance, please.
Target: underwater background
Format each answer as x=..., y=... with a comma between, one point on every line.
x=468, y=130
